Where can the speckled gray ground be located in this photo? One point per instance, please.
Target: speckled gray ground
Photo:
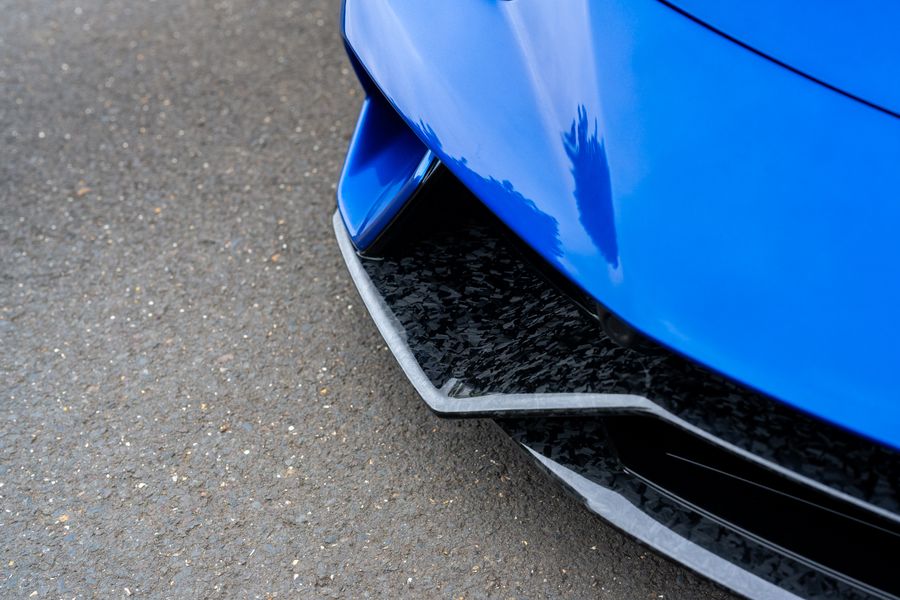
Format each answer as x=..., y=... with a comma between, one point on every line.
x=194, y=402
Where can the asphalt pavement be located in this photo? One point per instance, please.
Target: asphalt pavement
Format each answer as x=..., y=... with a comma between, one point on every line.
x=195, y=403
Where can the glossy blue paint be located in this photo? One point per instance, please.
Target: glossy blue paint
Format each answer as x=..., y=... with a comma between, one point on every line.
x=727, y=207
x=853, y=46
x=385, y=164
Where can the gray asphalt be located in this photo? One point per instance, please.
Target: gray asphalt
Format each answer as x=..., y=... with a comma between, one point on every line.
x=194, y=401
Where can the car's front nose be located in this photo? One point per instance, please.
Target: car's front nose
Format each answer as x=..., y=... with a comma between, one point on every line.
x=737, y=213
x=724, y=206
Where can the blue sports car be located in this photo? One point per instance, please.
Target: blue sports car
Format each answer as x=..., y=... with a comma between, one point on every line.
x=659, y=242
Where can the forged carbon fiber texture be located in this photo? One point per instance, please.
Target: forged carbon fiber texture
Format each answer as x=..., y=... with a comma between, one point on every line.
x=583, y=445
x=480, y=320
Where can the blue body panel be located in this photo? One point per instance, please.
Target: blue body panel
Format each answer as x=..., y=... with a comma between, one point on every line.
x=853, y=46
x=727, y=207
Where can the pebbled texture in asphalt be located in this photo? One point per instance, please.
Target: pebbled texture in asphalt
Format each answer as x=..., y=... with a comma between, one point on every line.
x=194, y=401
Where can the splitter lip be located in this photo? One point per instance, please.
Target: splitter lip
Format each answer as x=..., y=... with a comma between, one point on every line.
x=606, y=503
x=625, y=516
x=547, y=404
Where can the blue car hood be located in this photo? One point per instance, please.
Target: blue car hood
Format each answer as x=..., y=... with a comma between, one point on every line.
x=852, y=46
x=726, y=206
